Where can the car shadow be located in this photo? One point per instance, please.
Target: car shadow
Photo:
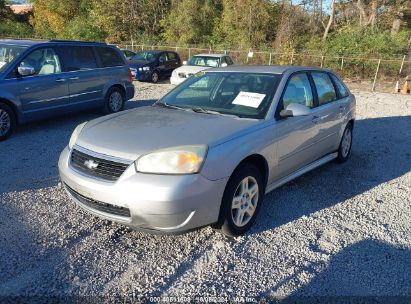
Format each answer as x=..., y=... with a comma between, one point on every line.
x=381, y=152
x=369, y=271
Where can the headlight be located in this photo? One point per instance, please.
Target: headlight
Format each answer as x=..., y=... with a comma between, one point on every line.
x=177, y=160
x=146, y=68
x=75, y=135
x=140, y=69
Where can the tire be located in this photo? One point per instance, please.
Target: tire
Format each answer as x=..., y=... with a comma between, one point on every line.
x=235, y=221
x=344, y=150
x=114, y=101
x=8, y=121
x=155, y=77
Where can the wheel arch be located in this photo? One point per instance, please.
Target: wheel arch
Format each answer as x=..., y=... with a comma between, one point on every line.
x=260, y=163
x=13, y=107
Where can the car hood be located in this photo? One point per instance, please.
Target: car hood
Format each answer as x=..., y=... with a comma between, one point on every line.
x=138, y=63
x=132, y=133
x=192, y=69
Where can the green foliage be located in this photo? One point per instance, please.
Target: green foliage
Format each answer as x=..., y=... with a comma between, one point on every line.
x=10, y=28
x=361, y=42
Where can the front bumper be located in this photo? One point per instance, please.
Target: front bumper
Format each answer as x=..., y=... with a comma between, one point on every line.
x=165, y=203
x=140, y=75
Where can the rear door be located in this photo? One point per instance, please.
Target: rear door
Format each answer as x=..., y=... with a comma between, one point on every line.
x=46, y=90
x=173, y=62
x=329, y=113
x=83, y=74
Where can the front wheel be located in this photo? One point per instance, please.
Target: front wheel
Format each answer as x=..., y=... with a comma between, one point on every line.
x=241, y=201
x=154, y=77
x=344, y=149
x=7, y=121
x=114, y=101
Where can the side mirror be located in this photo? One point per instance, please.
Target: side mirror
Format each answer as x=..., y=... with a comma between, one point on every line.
x=26, y=70
x=184, y=62
x=295, y=110
x=223, y=65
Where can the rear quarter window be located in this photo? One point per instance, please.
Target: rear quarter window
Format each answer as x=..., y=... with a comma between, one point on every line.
x=109, y=57
x=340, y=86
x=76, y=58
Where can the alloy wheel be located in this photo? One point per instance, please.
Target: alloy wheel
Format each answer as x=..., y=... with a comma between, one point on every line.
x=346, y=142
x=116, y=101
x=5, y=122
x=245, y=201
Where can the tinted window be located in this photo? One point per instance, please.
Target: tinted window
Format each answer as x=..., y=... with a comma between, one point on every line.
x=341, y=87
x=162, y=58
x=44, y=61
x=146, y=56
x=325, y=88
x=76, y=58
x=172, y=56
x=228, y=60
x=109, y=57
x=298, y=91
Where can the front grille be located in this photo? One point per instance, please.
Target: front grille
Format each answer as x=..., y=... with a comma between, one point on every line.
x=105, y=169
x=99, y=206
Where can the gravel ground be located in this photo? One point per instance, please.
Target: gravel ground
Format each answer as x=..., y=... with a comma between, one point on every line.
x=341, y=230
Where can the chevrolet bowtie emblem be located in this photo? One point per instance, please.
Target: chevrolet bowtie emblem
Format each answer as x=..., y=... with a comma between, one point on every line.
x=91, y=164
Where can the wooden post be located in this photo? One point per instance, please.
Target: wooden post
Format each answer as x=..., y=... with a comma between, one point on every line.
x=376, y=75
x=292, y=57
x=269, y=60
x=152, y=47
x=322, y=61
x=142, y=47
x=342, y=62
x=402, y=64
x=189, y=53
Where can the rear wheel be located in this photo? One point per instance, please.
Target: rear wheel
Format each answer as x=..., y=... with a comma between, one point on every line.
x=344, y=149
x=7, y=121
x=241, y=201
x=114, y=101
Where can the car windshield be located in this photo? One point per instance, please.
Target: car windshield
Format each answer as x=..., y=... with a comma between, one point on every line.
x=206, y=61
x=8, y=53
x=145, y=56
x=246, y=95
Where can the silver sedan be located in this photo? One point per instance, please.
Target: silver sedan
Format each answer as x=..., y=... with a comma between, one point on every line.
x=208, y=151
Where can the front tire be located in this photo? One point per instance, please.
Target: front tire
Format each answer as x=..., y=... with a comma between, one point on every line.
x=115, y=101
x=344, y=150
x=155, y=77
x=7, y=121
x=241, y=201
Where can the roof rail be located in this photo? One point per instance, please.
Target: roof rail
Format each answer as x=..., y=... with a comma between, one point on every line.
x=78, y=41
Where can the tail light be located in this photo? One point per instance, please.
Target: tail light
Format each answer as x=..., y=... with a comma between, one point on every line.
x=130, y=74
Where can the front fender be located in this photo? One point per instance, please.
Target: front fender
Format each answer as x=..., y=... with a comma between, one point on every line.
x=9, y=91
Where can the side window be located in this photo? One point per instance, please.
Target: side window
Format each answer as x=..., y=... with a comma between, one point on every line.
x=222, y=61
x=172, y=56
x=109, y=57
x=298, y=91
x=325, y=88
x=341, y=87
x=229, y=61
x=162, y=58
x=77, y=58
x=44, y=61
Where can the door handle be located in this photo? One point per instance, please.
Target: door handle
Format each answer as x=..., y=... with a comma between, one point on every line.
x=316, y=119
x=60, y=80
x=74, y=78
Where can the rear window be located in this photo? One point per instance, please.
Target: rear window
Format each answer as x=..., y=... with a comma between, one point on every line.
x=172, y=56
x=76, y=58
x=109, y=57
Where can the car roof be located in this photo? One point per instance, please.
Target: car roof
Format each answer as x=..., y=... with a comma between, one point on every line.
x=26, y=42
x=269, y=69
x=210, y=55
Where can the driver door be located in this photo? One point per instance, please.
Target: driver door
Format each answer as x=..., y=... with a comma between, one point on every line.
x=296, y=135
x=46, y=90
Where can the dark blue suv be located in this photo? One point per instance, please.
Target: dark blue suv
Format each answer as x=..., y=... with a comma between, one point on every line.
x=153, y=65
x=39, y=79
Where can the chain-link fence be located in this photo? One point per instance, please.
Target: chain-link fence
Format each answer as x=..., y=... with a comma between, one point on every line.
x=373, y=74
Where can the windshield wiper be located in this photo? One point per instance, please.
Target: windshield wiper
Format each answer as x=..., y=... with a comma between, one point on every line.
x=164, y=105
x=205, y=111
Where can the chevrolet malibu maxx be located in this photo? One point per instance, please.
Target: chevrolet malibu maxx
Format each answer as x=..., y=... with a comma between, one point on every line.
x=208, y=151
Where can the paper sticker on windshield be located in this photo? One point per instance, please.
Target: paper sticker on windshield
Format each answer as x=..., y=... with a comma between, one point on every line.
x=249, y=99
x=1, y=64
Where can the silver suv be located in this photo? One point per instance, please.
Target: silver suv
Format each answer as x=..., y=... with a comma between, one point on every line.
x=208, y=151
